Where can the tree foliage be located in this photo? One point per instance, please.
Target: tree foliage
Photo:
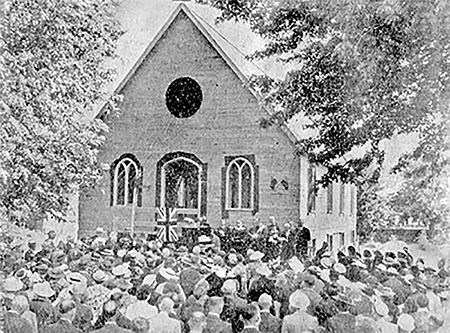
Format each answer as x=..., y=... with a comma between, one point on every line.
x=424, y=195
x=365, y=70
x=51, y=72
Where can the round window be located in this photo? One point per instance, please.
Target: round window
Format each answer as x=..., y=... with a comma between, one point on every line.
x=184, y=97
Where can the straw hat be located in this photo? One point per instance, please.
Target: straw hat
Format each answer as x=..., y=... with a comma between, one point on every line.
x=265, y=299
x=99, y=276
x=149, y=279
x=75, y=277
x=406, y=322
x=168, y=273
x=43, y=289
x=12, y=284
x=381, y=308
x=256, y=256
x=120, y=270
x=263, y=270
x=392, y=270
x=229, y=287
x=338, y=267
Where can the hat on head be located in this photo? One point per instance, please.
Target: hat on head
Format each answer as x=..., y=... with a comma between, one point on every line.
x=168, y=273
x=22, y=274
x=149, y=279
x=55, y=273
x=121, y=253
x=99, y=276
x=256, y=256
x=263, y=270
x=107, y=253
x=249, y=252
x=406, y=322
x=12, y=284
x=299, y=300
x=229, y=287
x=392, y=270
x=382, y=267
x=265, y=299
x=120, y=270
x=43, y=289
x=99, y=230
x=326, y=262
x=75, y=277
x=339, y=268
x=381, y=308
x=359, y=264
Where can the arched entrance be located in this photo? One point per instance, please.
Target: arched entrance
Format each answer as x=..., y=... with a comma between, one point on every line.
x=181, y=183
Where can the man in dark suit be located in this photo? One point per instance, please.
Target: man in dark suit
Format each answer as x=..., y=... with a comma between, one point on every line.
x=269, y=323
x=303, y=236
x=67, y=311
x=213, y=322
x=251, y=318
x=109, y=314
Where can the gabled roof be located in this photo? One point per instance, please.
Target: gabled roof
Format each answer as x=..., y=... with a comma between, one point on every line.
x=238, y=64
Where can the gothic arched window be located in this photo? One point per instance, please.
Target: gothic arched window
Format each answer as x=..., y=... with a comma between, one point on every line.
x=240, y=184
x=125, y=179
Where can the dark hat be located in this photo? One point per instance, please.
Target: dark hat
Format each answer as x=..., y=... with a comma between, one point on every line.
x=42, y=269
x=55, y=273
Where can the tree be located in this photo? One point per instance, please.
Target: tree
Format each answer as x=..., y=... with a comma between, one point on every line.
x=52, y=71
x=423, y=197
x=365, y=70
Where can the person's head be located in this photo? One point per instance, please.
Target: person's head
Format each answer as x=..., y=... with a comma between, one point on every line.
x=215, y=305
x=20, y=304
x=166, y=305
x=298, y=301
x=272, y=220
x=109, y=309
x=201, y=288
x=251, y=315
x=67, y=309
x=197, y=322
x=140, y=325
x=265, y=301
x=300, y=223
x=239, y=224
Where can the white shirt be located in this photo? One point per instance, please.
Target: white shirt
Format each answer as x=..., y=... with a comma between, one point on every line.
x=141, y=309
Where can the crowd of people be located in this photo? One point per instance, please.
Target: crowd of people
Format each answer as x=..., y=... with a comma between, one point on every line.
x=250, y=281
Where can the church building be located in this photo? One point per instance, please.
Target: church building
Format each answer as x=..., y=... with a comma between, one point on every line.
x=188, y=137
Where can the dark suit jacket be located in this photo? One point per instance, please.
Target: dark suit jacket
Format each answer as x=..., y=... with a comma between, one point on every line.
x=14, y=324
x=62, y=326
x=215, y=325
x=111, y=328
x=269, y=323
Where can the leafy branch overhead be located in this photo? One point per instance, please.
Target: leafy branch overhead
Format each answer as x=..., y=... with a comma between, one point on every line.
x=364, y=71
x=52, y=72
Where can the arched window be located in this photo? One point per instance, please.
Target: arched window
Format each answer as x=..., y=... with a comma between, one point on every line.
x=240, y=184
x=125, y=174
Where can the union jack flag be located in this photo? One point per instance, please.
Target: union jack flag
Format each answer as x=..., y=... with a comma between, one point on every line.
x=166, y=221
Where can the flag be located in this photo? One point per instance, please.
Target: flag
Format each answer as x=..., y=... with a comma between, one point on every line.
x=166, y=221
